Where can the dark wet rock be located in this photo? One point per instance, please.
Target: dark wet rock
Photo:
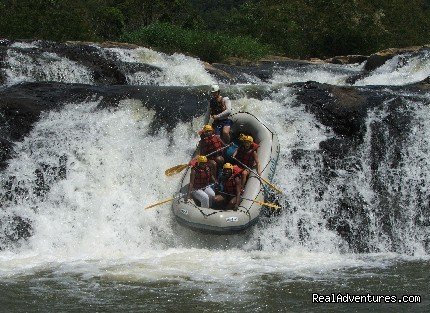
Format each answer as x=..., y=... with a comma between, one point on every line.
x=351, y=80
x=105, y=71
x=220, y=75
x=350, y=221
x=377, y=59
x=5, y=152
x=347, y=59
x=15, y=228
x=341, y=108
x=104, y=65
x=337, y=147
x=345, y=109
x=3, y=53
x=243, y=74
x=21, y=105
x=133, y=68
x=264, y=70
x=4, y=42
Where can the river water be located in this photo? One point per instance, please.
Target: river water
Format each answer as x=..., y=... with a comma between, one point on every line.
x=93, y=247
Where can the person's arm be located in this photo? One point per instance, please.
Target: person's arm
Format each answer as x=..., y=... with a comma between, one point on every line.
x=208, y=114
x=227, y=110
x=234, y=154
x=238, y=190
x=257, y=163
x=198, y=148
x=213, y=178
x=191, y=184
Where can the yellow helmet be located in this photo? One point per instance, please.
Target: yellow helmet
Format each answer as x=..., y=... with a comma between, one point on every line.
x=228, y=166
x=248, y=139
x=202, y=159
x=207, y=128
x=242, y=136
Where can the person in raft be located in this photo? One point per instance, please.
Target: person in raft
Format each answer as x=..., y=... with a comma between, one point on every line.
x=220, y=110
x=229, y=187
x=247, y=155
x=200, y=179
x=209, y=143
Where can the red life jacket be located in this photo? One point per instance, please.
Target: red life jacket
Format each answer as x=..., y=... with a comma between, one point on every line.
x=202, y=176
x=210, y=144
x=230, y=183
x=237, y=170
x=247, y=156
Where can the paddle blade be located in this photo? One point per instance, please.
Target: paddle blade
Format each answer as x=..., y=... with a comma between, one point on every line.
x=175, y=170
x=268, y=204
x=272, y=186
x=158, y=203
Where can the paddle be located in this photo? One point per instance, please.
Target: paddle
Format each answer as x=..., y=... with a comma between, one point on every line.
x=264, y=180
x=268, y=204
x=158, y=203
x=171, y=199
x=175, y=170
x=179, y=168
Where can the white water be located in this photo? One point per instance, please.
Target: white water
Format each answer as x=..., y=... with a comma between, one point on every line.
x=176, y=69
x=400, y=70
x=48, y=67
x=93, y=224
x=328, y=74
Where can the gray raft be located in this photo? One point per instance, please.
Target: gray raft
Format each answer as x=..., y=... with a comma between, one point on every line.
x=229, y=221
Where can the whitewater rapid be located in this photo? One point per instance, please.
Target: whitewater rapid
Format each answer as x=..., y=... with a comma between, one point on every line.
x=92, y=223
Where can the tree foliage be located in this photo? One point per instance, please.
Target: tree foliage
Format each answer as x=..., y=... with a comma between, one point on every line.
x=297, y=28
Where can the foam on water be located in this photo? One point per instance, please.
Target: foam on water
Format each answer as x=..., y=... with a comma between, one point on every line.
x=25, y=45
x=176, y=69
x=22, y=67
x=405, y=185
x=92, y=222
x=400, y=70
x=110, y=176
x=329, y=74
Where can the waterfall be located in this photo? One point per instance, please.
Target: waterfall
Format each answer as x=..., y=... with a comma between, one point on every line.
x=75, y=187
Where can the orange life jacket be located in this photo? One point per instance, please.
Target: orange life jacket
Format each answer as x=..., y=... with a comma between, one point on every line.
x=210, y=144
x=246, y=156
x=230, y=183
x=202, y=176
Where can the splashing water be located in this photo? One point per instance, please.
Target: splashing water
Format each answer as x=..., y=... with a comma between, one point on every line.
x=48, y=67
x=400, y=70
x=84, y=174
x=176, y=69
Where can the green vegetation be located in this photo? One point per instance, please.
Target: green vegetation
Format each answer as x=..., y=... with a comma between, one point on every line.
x=209, y=46
x=214, y=30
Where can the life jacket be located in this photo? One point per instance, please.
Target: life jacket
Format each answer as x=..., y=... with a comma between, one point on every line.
x=229, y=186
x=210, y=144
x=246, y=156
x=237, y=170
x=202, y=176
x=216, y=107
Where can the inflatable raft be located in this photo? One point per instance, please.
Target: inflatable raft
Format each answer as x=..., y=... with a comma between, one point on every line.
x=228, y=221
